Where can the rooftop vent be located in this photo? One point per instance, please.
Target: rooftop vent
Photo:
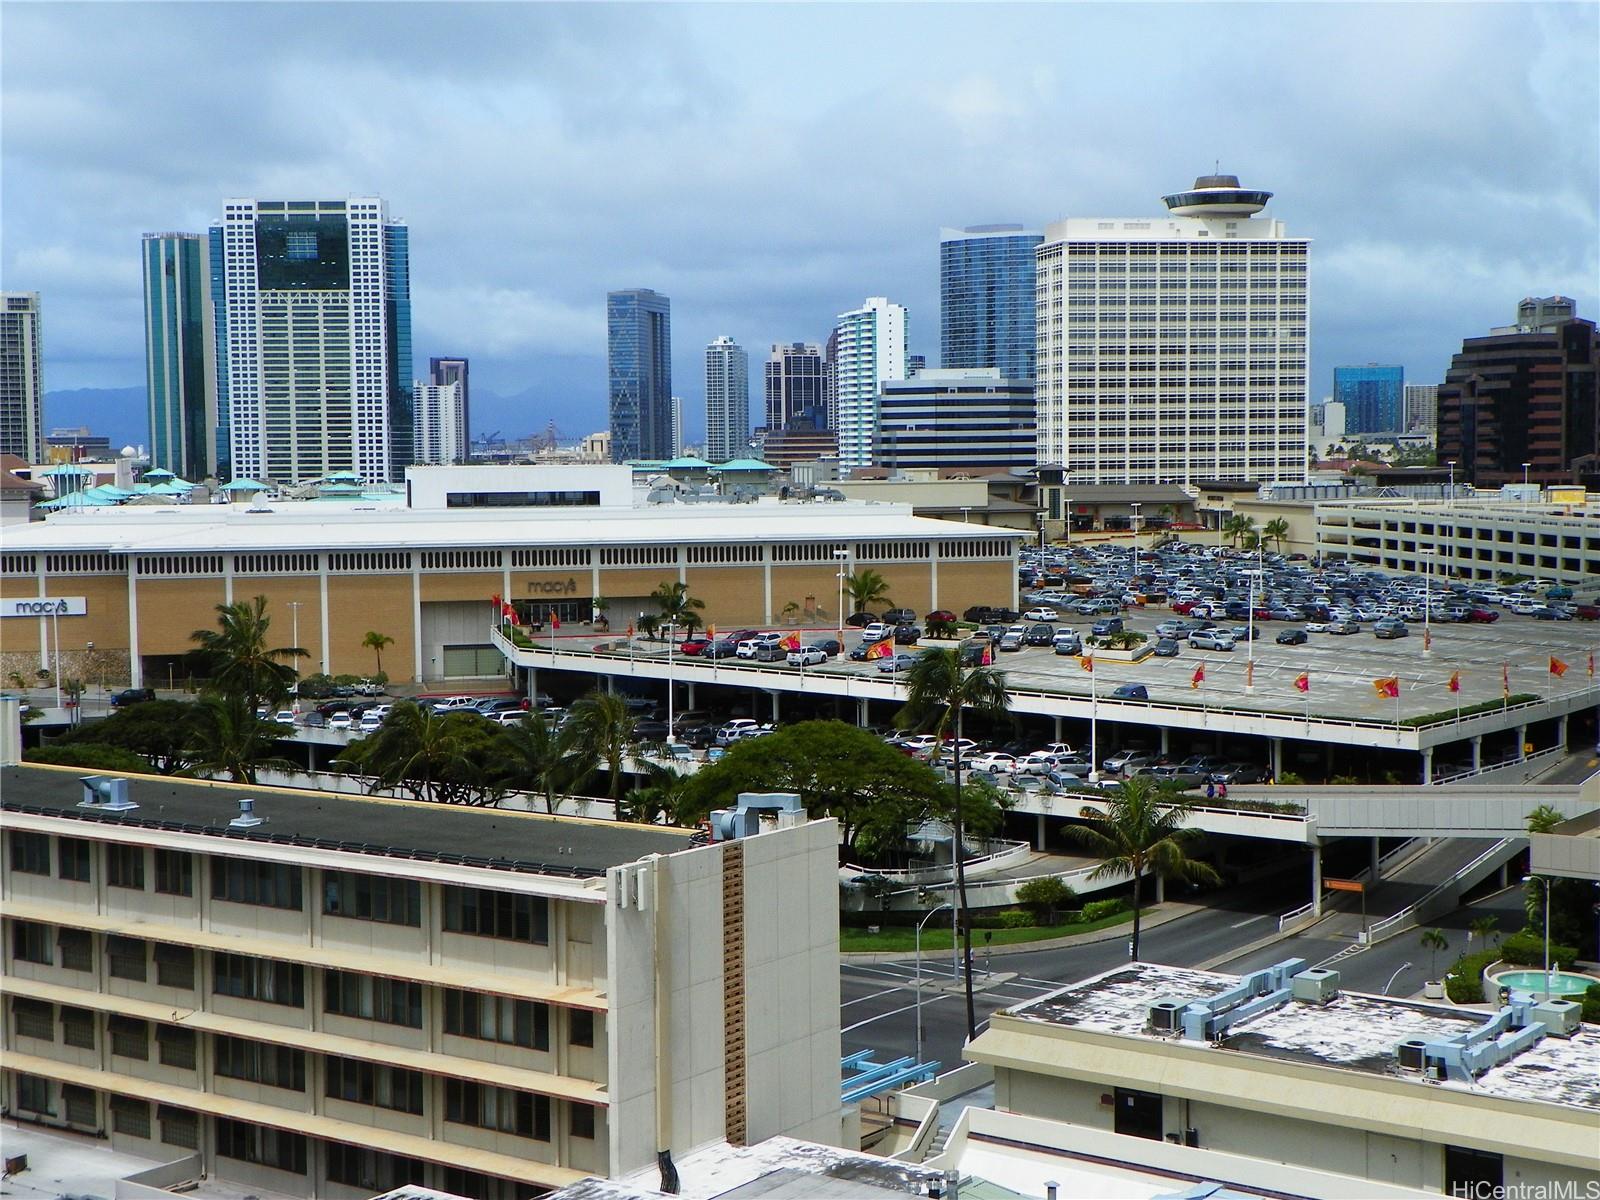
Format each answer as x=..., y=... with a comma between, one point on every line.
x=1315, y=986
x=247, y=818
x=105, y=793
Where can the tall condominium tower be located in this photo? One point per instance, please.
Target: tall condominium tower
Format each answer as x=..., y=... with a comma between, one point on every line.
x=1173, y=349
x=727, y=401
x=316, y=307
x=1373, y=397
x=1422, y=408
x=443, y=371
x=21, y=377
x=180, y=355
x=639, y=370
x=676, y=445
x=986, y=298
x=871, y=349
x=796, y=385
x=441, y=422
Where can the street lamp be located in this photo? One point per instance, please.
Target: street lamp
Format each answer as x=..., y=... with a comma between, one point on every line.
x=1525, y=467
x=294, y=613
x=672, y=637
x=1396, y=975
x=88, y=665
x=1545, y=882
x=1134, y=524
x=955, y=943
x=841, y=557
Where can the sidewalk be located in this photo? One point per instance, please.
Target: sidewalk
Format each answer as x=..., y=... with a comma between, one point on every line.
x=1155, y=915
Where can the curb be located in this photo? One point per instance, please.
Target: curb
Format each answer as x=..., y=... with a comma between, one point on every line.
x=1154, y=916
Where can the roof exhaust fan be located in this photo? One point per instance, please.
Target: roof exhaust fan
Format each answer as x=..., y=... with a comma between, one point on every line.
x=105, y=793
x=247, y=818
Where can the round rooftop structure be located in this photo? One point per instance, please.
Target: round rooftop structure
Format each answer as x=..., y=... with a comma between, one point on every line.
x=1217, y=196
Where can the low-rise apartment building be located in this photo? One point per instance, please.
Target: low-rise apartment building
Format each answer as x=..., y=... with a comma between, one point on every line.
x=349, y=995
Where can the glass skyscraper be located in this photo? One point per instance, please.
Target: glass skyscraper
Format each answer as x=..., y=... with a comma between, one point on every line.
x=986, y=299
x=1373, y=397
x=180, y=373
x=639, y=374
x=727, y=401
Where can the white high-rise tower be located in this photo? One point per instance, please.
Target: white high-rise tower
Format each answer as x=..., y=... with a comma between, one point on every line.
x=727, y=401
x=1173, y=349
x=871, y=347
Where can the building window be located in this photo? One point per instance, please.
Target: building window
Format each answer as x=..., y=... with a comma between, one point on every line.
x=77, y=1028
x=371, y=1170
x=175, y=1047
x=130, y=1116
x=580, y=1027
x=72, y=859
x=30, y=942
x=1470, y=1172
x=392, y=1001
x=81, y=1106
x=258, y=979
x=174, y=873
x=33, y=1019
x=130, y=1037
x=179, y=1127
x=497, y=1019
x=258, y=1062
x=245, y=881
x=497, y=914
x=372, y=1083
x=30, y=853
x=125, y=958
x=174, y=965
x=582, y=1120
x=477, y=1104
x=125, y=866
x=77, y=949
x=265, y=1147
x=372, y=898
x=33, y=1095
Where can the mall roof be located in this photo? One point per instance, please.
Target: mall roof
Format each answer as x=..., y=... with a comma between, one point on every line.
x=296, y=525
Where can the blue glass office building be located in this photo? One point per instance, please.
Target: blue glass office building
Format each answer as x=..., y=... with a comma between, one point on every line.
x=179, y=387
x=1373, y=397
x=986, y=299
x=639, y=374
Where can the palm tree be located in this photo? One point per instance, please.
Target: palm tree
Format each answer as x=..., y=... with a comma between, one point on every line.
x=1275, y=531
x=416, y=750
x=230, y=739
x=1141, y=830
x=376, y=642
x=677, y=606
x=603, y=722
x=549, y=759
x=1237, y=526
x=662, y=794
x=240, y=660
x=1433, y=941
x=1485, y=927
x=938, y=693
x=867, y=589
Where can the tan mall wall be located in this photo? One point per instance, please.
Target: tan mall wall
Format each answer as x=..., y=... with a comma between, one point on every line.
x=170, y=610
x=279, y=591
x=382, y=604
x=106, y=624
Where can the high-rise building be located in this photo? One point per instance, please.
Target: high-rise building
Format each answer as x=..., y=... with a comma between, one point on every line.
x=21, y=377
x=441, y=416
x=871, y=349
x=1540, y=314
x=1523, y=397
x=1422, y=408
x=454, y=370
x=179, y=355
x=830, y=381
x=315, y=307
x=639, y=370
x=795, y=385
x=677, y=426
x=1173, y=349
x=986, y=298
x=727, y=401
x=956, y=419
x=1373, y=397
x=916, y=364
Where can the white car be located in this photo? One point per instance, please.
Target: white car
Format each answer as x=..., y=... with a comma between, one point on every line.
x=995, y=762
x=283, y=717
x=876, y=632
x=917, y=743
x=1040, y=762
x=735, y=729
x=1041, y=614
x=948, y=749
x=371, y=722
x=1317, y=626
x=455, y=703
x=750, y=646
x=807, y=656
x=339, y=720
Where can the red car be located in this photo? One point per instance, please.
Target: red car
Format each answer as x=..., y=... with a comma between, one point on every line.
x=941, y=616
x=1587, y=612
x=1183, y=607
x=1483, y=616
x=693, y=646
x=1263, y=614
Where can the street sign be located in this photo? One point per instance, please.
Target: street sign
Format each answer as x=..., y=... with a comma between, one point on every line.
x=1344, y=885
x=45, y=606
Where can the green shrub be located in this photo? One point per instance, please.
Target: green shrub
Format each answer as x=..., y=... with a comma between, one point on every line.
x=1527, y=950
x=1099, y=910
x=1591, y=1004
x=1044, y=897
x=1016, y=918
x=90, y=756
x=1463, y=982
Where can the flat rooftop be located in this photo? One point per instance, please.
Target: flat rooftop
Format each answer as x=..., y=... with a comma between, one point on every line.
x=477, y=837
x=1353, y=1031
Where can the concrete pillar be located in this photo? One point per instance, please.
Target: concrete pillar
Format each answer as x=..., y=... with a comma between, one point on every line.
x=1522, y=742
x=1161, y=889
x=1038, y=833
x=1427, y=765
x=861, y=712
x=1505, y=875
x=1277, y=758
x=1477, y=751
x=690, y=686
x=1316, y=879
x=1377, y=852
x=1561, y=731
x=1166, y=741
x=1058, y=729
x=774, y=708
x=611, y=684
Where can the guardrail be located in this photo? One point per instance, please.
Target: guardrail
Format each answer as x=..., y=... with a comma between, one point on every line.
x=996, y=860
x=1536, y=756
x=1291, y=919
x=1408, y=916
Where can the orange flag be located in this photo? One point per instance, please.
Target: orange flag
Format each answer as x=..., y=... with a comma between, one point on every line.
x=1427, y=639
x=555, y=621
x=1198, y=677
x=1250, y=673
x=792, y=642
x=1302, y=681
x=1557, y=667
x=1591, y=664
x=1455, y=681
x=878, y=649
x=711, y=633
x=1389, y=686
x=1505, y=680
x=1087, y=661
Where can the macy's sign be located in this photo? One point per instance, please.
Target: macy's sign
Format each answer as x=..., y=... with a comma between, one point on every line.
x=46, y=606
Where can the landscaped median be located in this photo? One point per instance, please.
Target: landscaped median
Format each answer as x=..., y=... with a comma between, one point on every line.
x=988, y=931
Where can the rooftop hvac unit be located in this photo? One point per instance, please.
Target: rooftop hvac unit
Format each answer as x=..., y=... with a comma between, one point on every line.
x=1409, y=1054
x=1315, y=986
x=1166, y=1016
x=730, y=823
x=105, y=793
x=1560, y=1018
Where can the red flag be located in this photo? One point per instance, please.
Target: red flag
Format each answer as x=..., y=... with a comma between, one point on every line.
x=1302, y=681
x=495, y=599
x=878, y=649
x=1591, y=664
x=792, y=642
x=988, y=656
x=630, y=628
x=1455, y=681
x=1557, y=667
x=1198, y=677
x=1087, y=662
x=1389, y=686
x=555, y=621
x=507, y=611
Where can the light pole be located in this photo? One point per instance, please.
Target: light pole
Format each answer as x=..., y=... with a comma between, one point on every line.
x=953, y=943
x=1066, y=508
x=55, y=632
x=1250, y=641
x=1545, y=882
x=1450, y=496
x=1427, y=602
x=672, y=637
x=1134, y=524
x=841, y=557
x=294, y=616
x=1525, y=467
x=88, y=666
x=1396, y=975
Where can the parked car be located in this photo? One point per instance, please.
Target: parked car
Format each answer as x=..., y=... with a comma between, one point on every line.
x=896, y=663
x=1124, y=762
x=900, y=616
x=1130, y=691
x=1011, y=640
x=806, y=656
x=442, y=705
x=906, y=635
x=693, y=646
x=283, y=717
x=859, y=654
x=1039, y=635
x=941, y=616
x=860, y=620
x=1069, y=772
x=1166, y=648
x=730, y=731
x=1210, y=639
x=1344, y=628
x=1106, y=626
x=1293, y=637
x=1584, y=612
x=995, y=762
x=751, y=647
x=1041, y=613
x=369, y=687
x=1390, y=628
x=721, y=648
x=129, y=696
x=1237, y=773
x=371, y=722
x=340, y=720
x=1488, y=616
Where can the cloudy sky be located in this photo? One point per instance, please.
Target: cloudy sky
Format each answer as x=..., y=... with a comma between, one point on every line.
x=769, y=166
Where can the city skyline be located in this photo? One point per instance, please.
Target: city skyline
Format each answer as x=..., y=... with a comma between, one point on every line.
x=1421, y=239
